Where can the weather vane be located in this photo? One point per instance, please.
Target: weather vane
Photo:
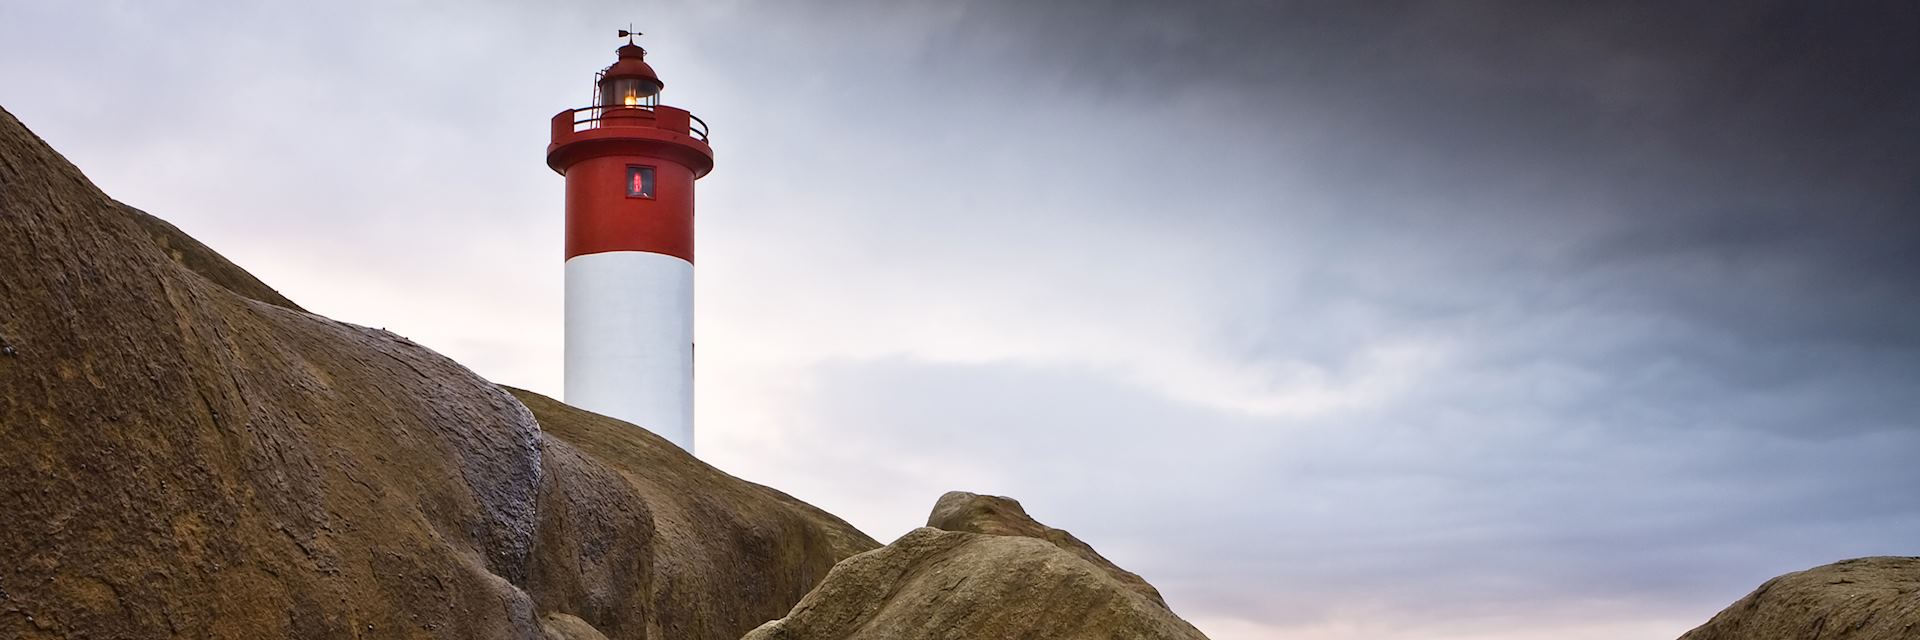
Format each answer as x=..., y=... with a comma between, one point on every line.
x=629, y=33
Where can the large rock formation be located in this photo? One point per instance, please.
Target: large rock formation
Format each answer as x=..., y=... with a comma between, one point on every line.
x=187, y=454
x=1861, y=599
x=997, y=573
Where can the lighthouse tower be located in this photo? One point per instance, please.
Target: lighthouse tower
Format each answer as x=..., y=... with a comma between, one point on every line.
x=630, y=163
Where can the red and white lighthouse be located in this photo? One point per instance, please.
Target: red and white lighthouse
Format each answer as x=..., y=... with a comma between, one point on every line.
x=630, y=163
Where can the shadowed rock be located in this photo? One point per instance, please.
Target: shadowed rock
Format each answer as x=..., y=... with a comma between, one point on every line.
x=641, y=540
x=1861, y=599
x=187, y=454
x=1016, y=578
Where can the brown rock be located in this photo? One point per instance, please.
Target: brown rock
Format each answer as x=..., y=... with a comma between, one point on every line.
x=203, y=260
x=1861, y=599
x=560, y=626
x=944, y=584
x=184, y=461
x=187, y=454
x=1002, y=516
x=641, y=540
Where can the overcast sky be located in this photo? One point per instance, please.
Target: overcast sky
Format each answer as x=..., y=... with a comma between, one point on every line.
x=1442, y=320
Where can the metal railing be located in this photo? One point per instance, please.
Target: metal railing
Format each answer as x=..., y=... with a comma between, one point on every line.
x=594, y=116
x=697, y=127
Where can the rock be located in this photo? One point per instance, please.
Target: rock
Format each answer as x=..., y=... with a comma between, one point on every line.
x=999, y=574
x=1001, y=516
x=635, y=535
x=188, y=454
x=1861, y=599
x=560, y=626
x=185, y=461
x=203, y=260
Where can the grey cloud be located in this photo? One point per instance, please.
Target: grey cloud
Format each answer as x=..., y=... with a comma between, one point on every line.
x=1429, y=508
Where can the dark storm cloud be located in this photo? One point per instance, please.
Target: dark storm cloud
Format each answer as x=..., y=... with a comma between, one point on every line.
x=1748, y=170
x=1726, y=121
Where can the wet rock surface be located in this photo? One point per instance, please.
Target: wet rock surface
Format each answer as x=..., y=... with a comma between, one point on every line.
x=1862, y=599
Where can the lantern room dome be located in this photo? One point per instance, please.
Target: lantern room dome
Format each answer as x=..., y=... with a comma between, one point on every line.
x=632, y=65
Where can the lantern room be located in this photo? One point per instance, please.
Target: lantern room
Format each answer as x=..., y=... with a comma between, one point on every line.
x=629, y=82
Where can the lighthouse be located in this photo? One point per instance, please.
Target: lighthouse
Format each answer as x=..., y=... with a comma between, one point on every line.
x=630, y=164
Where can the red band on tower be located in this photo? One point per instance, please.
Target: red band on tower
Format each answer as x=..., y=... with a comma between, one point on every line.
x=600, y=148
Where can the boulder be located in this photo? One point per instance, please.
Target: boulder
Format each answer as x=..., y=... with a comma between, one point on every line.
x=1860, y=599
x=998, y=574
x=1002, y=516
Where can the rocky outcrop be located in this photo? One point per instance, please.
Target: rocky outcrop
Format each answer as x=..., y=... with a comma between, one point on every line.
x=188, y=454
x=997, y=573
x=1002, y=516
x=1861, y=599
x=641, y=540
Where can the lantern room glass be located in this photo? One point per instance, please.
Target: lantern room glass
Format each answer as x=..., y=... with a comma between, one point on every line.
x=629, y=92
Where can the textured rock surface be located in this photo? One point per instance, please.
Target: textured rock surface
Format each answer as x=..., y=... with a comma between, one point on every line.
x=1001, y=516
x=560, y=626
x=982, y=568
x=945, y=584
x=641, y=540
x=189, y=455
x=1861, y=599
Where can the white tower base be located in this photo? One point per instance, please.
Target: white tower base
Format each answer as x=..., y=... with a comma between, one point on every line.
x=630, y=340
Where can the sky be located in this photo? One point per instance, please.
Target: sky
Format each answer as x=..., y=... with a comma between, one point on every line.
x=1464, y=320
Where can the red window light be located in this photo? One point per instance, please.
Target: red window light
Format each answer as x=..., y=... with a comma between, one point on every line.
x=639, y=182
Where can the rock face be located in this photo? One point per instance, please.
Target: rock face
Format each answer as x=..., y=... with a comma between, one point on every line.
x=187, y=454
x=997, y=573
x=1000, y=516
x=641, y=540
x=1861, y=599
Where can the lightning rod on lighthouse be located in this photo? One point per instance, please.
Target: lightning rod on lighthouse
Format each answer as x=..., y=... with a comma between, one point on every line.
x=630, y=165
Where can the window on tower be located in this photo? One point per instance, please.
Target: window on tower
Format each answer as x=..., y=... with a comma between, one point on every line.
x=639, y=182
